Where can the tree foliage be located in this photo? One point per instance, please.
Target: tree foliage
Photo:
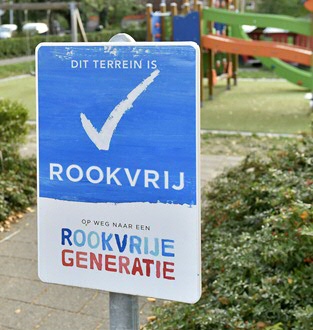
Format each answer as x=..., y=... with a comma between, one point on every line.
x=281, y=7
x=111, y=11
x=17, y=175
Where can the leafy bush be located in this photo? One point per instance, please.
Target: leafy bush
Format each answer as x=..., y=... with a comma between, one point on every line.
x=257, y=248
x=17, y=176
x=138, y=34
x=17, y=184
x=21, y=46
x=13, y=117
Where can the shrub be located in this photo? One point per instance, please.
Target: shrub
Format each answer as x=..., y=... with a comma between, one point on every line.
x=257, y=248
x=13, y=117
x=21, y=46
x=17, y=184
x=17, y=176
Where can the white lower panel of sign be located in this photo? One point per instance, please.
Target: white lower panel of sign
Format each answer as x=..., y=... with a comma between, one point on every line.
x=134, y=248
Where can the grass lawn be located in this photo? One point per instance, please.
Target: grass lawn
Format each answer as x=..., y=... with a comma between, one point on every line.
x=16, y=69
x=265, y=105
x=271, y=106
x=22, y=90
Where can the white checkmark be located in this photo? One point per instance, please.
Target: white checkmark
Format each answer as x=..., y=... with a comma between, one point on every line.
x=103, y=138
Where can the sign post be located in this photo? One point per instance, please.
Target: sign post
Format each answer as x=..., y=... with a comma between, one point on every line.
x=124, y=309
x=124, y=312
x=118, y=169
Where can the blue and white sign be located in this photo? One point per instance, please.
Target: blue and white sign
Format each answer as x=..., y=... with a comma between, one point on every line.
x=118, y=159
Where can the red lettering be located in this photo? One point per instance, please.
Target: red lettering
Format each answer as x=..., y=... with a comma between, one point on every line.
x=137, y=267
x=158, y=269
x=68, y=262
x=109, y=263
x=95, y=261
x=148, y=263
x=166, y=270
x=80, y=258
x=123, y=264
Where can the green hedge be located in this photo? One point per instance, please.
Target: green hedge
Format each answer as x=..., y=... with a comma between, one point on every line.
x=21, y=46
x=17, y=184
x=13, y=117
x=17, y=175
x=257, y=248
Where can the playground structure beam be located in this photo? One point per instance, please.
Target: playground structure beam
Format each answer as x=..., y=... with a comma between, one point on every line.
x=71, y=6
x=297, y=25
x=35, y=6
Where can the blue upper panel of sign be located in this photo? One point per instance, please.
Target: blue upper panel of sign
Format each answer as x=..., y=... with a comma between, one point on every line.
x=117, y=123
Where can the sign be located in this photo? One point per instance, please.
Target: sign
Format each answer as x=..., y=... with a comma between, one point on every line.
x=118, y=167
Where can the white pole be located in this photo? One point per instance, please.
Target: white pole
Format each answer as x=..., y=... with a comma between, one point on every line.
x=73, y=21
x=11, y=14
x=243, y=6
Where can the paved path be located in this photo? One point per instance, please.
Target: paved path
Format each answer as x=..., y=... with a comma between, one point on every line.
x=17, y=60
x=27, y=303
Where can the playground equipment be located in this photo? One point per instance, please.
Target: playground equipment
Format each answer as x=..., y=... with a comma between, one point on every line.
x=309, y=5
x=72, y=6
x=257, y=48
x=273, y=55
x=234, y=41
x=169, y=26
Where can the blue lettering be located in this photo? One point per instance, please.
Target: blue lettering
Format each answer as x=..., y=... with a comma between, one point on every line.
x=66, y=234
x=166, y=245
x=121, y=245
x=105, y=242
x=76, y=238
x=134, y=244
x=156, y=250
x=97, y=240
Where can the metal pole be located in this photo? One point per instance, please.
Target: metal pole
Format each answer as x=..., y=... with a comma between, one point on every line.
x=11, y=14
x=124, y=310
x=73, y=21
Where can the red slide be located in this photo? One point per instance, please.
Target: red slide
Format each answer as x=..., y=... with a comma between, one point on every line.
x=257, y=48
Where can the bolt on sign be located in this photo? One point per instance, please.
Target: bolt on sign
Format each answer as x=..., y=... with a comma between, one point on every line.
x=118, y=167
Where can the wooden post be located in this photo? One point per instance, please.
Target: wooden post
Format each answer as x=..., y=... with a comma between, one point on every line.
x=163, y=28
x=149, y=21
x=173, y=14
x=186, y=8
x=81, y=26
